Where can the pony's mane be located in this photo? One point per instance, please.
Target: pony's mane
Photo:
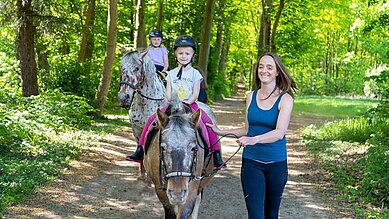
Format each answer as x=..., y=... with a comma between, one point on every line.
x=180, y=115
x=133, y=57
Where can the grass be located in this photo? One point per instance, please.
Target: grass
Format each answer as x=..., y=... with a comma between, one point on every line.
x=352, y=149
x=331, y=107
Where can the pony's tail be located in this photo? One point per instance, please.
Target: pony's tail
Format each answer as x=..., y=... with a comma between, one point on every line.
x=176, y=104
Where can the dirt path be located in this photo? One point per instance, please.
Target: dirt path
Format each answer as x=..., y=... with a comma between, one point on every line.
x=103, y=185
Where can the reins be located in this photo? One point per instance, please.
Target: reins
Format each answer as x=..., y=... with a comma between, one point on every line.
x=214, y=171
x=191, y=174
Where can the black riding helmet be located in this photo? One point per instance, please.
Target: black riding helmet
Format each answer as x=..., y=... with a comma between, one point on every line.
x=184, y=41
x=155, y=33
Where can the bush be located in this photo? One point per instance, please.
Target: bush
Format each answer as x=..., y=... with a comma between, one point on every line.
x=38, y=138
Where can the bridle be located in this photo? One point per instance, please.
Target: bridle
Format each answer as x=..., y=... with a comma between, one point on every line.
x=139, y=86
x=165, y=175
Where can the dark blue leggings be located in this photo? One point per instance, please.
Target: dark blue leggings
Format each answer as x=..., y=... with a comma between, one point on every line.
x=263, y=185
x=159, y=67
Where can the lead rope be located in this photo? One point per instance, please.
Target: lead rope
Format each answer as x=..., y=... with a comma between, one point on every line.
x=214, y=171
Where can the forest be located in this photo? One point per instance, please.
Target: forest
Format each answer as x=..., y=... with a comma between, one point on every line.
x=58, y=55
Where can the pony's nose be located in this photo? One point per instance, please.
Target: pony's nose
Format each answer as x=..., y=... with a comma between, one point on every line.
x=177, y=196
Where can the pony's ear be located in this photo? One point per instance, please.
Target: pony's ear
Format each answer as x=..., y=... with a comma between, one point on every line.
x=143, y=54
x=123, y=51
x=162, y=118
x=196, y=117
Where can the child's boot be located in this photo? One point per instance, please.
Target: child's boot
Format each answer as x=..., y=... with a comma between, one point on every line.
x=217, y=159
x=137, y=156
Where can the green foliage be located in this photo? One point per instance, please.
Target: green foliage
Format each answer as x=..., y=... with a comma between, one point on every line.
x=9, y=78
x=217, y=89
x=350, y=130
x=355, y=152
x=69, y=76
x=38, y=137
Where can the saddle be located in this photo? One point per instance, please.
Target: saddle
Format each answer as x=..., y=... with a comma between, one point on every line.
x=162, y=76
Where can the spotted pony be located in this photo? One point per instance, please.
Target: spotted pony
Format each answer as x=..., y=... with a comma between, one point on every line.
x=142, y=91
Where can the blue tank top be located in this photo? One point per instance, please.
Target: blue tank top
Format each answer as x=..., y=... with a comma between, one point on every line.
x=262, y=121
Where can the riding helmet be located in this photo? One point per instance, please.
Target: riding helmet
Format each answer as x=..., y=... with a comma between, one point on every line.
x=155, y=33
x=184, y=41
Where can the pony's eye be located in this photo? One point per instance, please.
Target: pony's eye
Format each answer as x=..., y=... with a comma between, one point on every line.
x=194, y=146
x=163, y=146
x=137, y=69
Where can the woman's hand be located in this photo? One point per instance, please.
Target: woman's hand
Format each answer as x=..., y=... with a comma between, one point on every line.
x=244, y=141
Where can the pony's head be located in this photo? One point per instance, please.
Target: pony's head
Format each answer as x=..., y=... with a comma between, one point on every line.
x=134, y=67
x=179, y=150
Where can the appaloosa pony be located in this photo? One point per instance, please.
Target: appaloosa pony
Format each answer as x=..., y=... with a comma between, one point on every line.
x=141, y=89
x=177, y=161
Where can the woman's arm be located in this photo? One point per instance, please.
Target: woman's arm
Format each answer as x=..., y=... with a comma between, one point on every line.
x=239, y=131
x=285, y=107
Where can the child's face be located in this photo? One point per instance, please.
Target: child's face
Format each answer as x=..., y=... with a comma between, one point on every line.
x=184, y=55
x=156, y=41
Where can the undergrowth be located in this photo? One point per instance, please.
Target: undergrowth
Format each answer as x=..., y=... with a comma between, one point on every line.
x=39, y=136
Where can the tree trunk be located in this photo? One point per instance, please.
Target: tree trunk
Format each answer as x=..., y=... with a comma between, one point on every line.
x=140, y=33
x=43, y=59
x=265, y=27
x=87, y=44
x=132, y=20
x=106, y=76
x=224, y=53
x=219, y=33
x=25, y=48
x=160, y=15
x=206, y=37
x=275, y=25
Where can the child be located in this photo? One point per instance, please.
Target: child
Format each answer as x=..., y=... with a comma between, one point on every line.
x=157, y=52
x=185, y=81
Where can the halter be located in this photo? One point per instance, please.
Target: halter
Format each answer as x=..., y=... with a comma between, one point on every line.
x=139, y=86
x=165, y=175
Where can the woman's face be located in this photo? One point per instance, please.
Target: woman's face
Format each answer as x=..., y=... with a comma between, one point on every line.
x=156, y=41
x=184, y=54
x=267, y=70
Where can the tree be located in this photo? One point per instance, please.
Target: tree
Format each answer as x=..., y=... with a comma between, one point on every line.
x=267, y=33
x=25, y=48
x=160, y=15
x=87, y=44
x=206, y=37
x=275, y=25
x=140, y=33
x=106, y=76
x=219, y=32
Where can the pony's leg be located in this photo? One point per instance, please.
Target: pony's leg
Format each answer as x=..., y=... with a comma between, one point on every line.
x=169, y=213
x=196, y=208
x=142, y=173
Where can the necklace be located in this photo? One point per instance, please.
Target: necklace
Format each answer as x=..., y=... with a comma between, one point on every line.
x=275, y=88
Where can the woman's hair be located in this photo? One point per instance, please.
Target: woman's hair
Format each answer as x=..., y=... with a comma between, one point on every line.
x=284, y=80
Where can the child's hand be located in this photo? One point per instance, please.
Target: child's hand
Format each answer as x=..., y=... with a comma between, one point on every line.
x=213, y=127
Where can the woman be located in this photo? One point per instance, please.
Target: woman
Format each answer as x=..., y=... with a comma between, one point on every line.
x=264, y=170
